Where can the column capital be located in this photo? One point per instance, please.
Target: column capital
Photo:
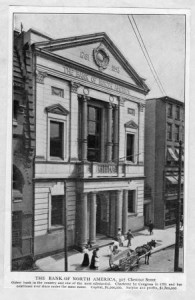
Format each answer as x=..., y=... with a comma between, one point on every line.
x=122, y=101
x=84, y=97
x=40, y=76
x=74, y=87
x=141, y=106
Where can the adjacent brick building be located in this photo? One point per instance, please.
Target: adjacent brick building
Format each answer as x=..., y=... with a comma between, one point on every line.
x=164, y=128
x=23, y=151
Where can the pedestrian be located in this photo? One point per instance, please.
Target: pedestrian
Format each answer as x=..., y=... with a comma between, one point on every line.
x=92, y=265
x=97, y=259
x=129, y=237
x=150, y=227
x=85, y=262
x=120, y=238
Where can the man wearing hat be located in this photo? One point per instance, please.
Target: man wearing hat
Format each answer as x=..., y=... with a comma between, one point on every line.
x=129, y=237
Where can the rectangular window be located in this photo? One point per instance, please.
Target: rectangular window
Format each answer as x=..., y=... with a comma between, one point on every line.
x=131, y=201
x=56, y=139
x=15, y=109
x=57, y=92
x=177, y=115
x=131, y=111
x=57, y=210
x=94, y=134
x=130, y=148
x=169, y=131
x=170, y=110
x=176, y=133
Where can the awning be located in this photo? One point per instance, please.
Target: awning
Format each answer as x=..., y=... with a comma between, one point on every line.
x=182, y=179
x=182, y=156
x=172, y=154
x=172, y=179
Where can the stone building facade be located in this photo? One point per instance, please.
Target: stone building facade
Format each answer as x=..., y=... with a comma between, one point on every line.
x=89, y=162
x=164, y=128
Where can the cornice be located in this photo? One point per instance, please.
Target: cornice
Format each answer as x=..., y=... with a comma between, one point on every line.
x=90, y=71
x=80, y=82
x=91, y=39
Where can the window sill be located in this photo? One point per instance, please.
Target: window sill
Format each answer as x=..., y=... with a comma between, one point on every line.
x=55, y=228
x=132, y=214
x=53, y=158
x=128, y=162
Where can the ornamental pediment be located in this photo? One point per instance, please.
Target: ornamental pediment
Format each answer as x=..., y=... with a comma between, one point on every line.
x=57, y=109
x=97, y=52
x=131, y=124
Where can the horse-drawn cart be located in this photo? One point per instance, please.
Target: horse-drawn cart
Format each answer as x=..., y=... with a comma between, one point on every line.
x=125, y=260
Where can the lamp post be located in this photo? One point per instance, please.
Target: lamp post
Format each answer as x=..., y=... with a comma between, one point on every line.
x=178, y=212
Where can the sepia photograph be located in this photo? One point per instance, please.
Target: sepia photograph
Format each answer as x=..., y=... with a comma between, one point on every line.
x=98, y=142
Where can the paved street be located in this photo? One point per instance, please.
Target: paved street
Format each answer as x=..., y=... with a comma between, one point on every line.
x=164, y=238
x=162, y=261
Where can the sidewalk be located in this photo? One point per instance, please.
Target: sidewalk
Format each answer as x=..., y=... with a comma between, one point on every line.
x=164, y=239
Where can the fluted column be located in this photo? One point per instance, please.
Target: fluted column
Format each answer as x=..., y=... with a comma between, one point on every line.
x=115, y=133
x=92, y=232
x=118, y=210
x=125, y=212
x=109, y=142
x=83, y=220
x=84, y=129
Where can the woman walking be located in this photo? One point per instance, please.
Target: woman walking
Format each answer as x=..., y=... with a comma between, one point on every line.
x=85, y=262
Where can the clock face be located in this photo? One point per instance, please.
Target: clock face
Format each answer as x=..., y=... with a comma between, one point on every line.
x=101, y=57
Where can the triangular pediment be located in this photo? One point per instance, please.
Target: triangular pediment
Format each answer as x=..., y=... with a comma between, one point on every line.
x=131, y=124
x=97, y=52
x=57, y=109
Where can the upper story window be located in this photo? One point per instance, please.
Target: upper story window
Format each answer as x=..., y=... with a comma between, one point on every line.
x=57, y=132
x=169, y=131
x=176, y=133
x=15, y=110
x=94, y=133
x=130, y=147
x=56, y=139
x=131, y=141
x=177, y=113
x=170, y=110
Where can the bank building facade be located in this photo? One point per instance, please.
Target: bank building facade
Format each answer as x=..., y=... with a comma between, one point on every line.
x=89, y=159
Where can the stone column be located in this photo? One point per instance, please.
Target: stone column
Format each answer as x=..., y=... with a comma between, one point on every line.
x=109, y=141
x=118, y=207
x=125, y=212
x=84, y=129
x=115, y=133
x=83, y=220
x=73, y=128
x=92, y=229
